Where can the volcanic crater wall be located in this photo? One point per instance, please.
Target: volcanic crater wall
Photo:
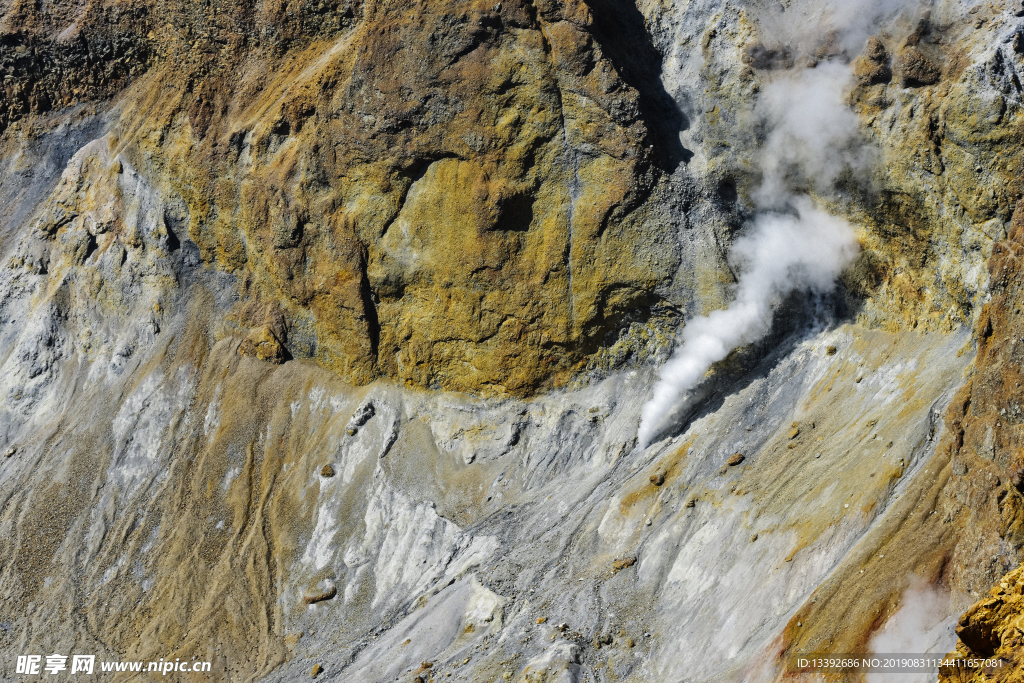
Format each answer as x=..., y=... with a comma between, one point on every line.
x=325, y=329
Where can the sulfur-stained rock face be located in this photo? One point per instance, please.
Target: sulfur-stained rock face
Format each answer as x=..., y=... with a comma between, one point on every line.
x=448, y=195
x=987, y=466
x=470, y=198
x=326, y=328
x=986, y=445
x=990, y=639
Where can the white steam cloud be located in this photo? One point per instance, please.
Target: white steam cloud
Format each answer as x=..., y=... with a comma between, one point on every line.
x=815, y=136
x=783, y=252
x=791, y=244
x=802, y=24
x=922, y=625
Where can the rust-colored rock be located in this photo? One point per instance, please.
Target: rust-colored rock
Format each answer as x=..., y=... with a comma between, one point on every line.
x=735, y=459
x=872, y=66
x=264, y=345
x=320, y=597
x=914, y=69
x=992, y=629
x=623, y=562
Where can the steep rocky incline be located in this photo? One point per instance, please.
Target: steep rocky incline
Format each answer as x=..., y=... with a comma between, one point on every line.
x=987, y=469
x=450, y=196
x=325, y=330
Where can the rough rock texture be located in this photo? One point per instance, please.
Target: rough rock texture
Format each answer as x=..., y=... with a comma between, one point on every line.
x=990, y=636
x=325, y=329
x=872, y=67
x=449, y=196
x=987, y=483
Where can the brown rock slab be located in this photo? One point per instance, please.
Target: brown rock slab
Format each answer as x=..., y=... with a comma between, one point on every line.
x=320, y=597
x=991, y=629
x=915, y=70
x=264, y=345
x=871, y=68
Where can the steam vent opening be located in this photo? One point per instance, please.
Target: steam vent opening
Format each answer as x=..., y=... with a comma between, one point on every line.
x=575, y=341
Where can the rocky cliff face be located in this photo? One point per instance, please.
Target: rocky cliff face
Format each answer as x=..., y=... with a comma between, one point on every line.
x=452, y=197
x=326, y=328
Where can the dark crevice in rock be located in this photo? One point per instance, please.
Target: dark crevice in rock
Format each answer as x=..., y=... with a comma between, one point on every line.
x=370, y=302
x=620, y=29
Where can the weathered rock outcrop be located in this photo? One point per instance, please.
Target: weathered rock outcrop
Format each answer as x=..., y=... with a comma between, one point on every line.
x=986, y=487
x=990, y=641
x=450, y=196
x=325, y=329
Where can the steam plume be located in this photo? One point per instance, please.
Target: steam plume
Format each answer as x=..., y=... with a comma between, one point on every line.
x=791, y=244
x=922, y=625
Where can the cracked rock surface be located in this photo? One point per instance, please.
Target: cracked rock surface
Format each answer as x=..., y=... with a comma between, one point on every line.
x=325, y=329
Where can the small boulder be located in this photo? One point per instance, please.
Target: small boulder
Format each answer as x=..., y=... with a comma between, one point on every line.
x=871, y=68
x=327, y=595
x=623, y=562
x=658, y=478
x=316, y=671
x=327, y=471
x=915, y=70
x=264, y=345
x=830, y=350
x=736, y=459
